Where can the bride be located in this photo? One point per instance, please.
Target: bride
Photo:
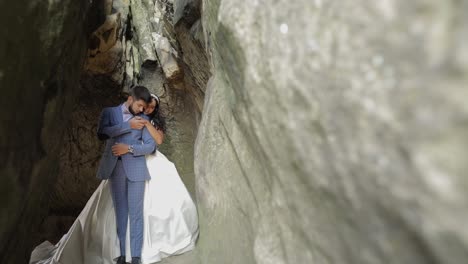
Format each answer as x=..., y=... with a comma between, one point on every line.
x=170, y=216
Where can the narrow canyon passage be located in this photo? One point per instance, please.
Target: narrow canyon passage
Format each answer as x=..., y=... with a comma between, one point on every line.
x=118, y=57
x=116, y=61
x=306, y=131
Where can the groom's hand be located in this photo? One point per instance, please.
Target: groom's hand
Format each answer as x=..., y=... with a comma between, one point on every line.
x=137, y=123
x=119, y=149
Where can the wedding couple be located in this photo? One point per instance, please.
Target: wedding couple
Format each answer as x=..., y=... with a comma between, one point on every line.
x=141, y=212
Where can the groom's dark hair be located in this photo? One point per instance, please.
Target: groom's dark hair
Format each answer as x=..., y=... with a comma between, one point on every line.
x=140, y=93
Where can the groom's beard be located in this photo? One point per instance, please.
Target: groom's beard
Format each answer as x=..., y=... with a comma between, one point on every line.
x=130, y=109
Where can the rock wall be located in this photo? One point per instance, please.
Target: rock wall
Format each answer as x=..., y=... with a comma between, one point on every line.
x=101, y=79
x=334, y=132
x=42, y=50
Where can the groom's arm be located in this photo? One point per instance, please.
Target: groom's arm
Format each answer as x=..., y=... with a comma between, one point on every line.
x=149, y=145
x=106, y=131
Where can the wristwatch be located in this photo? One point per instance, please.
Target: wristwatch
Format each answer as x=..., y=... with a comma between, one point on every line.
x=130, y=149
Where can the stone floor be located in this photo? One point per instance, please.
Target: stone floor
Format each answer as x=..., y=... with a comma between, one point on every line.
x=186, y=258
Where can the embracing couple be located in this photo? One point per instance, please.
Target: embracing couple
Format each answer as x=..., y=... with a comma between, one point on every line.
x=141, y=212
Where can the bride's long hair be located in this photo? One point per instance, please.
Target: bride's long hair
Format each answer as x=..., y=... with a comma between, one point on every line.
x=156, y=118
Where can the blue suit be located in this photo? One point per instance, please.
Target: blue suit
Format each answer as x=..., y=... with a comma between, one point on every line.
x=127, y=175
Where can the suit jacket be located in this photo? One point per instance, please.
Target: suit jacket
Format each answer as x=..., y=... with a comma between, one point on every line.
x=113, y=129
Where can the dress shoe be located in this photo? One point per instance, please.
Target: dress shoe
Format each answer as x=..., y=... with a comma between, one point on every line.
x=121, y=260
x=136, y=261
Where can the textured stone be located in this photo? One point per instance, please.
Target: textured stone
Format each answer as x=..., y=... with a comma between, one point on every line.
x=166, y=57
x=42, y=49
x=101, y=85
x=81, y=151
x=334, y=132
x=105, y=51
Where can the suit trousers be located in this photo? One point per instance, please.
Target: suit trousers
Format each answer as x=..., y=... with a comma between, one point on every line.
x=128, y=203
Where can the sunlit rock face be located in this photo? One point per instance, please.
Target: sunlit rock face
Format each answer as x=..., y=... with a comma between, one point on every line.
x=334, y=132
x=42, y=50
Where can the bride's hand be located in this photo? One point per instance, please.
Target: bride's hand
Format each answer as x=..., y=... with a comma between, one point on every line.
x=137, y=122
x=146, y=122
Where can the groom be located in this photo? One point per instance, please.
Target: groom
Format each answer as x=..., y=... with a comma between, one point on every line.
x=124, y=163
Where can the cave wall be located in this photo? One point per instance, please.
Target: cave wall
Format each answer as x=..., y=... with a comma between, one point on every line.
x=100, y=80
x=42, y=50
x=334, y=132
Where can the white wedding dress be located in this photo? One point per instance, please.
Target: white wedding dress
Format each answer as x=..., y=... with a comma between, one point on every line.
x=170, y=223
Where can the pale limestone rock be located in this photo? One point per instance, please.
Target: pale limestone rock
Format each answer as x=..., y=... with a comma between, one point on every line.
x=167, y=56
x=334, y=132
x=105, y=54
